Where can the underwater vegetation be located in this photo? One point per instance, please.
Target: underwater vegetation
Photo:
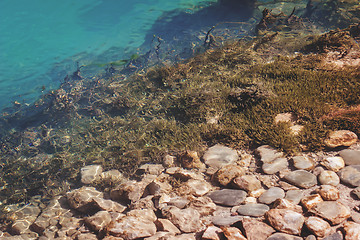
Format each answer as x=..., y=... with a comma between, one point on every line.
x=228, y=94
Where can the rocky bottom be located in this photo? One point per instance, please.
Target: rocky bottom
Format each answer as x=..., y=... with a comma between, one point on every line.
x=225, y=194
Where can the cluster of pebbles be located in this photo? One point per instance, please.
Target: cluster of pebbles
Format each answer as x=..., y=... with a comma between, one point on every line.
x=225, y=194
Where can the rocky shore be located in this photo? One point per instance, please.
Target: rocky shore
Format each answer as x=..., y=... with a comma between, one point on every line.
x=224, y=194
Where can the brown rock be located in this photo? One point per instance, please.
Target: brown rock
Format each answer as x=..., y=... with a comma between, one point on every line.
x=190, y=159
x=187, y=220
x=287, y=204
x=108, y=205
x=256, y=230
x=211, y=233
x=286, y=221
x=329, y=193
x=198, y=187
x=166, y=226
x=86, y=236
x=341, y=138
x=332, y=211
x=204, y=205
x=352, y=231
x=82, y=199
x=310, y=201
x=99, y=221
x=318, y=226
x=227, y=173
x=247, y=182
x=283, y=236
x=333, y=163
x=90, y=173
x=130, y=191
x=25, y=216
x=233, y=233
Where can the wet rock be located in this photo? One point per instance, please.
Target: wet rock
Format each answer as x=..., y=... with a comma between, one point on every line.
x=248, y=183
x=303, y=163
x=350, y=175
x=187, y=220
x=283, y=236
x=225, y=220
x=318, y=226
x=108, y=205
x=334, y=236
x=219, y=155
x=190, y=159
x=286, y=221
x=352, y=230
x=329, y=178
x=310, y=201
x=268, y=154
x=198, y=187
x=90, y=173
x=228, y=197
x=130, y=191
x=329, y=193
x=341, y=138
x=227, y=173
x=270, y=195
x=166, y=226
x=211, y=233
x=113, y=176
x=253, y=209
x=204, y=205
x=294, y=196
x=275, y=165
x=356, y=192
x=332, y=211
x=351, y=157
x=82, y=199
x=99, y=221
x=153, y=169
x=256, y=230
x=25, y=216
x=301, y=178
x=333, y=163
x=233, y=233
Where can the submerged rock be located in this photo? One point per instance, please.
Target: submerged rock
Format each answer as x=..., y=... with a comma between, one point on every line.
x=90, y=173
x=82, y=199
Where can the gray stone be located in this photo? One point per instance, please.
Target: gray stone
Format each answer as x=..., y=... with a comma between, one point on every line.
x=275, y=165
x=225, y=221
x=329, y=178
x=286, y=221
x=350, y=175
x=198, y=187
x=334, y=236
x=283, y=236
x=228, y=197
x=301, y=178
x=356, y=192
x=253, y=209
x=268, y=154
x=90, y=173
x=332, y=211
x=178, y=202
x=256, y=230
x=82, y=199
x=187, y=220
x=333, y=163
x=270, y=195
x=294, y=196
x=219, y=155
x=303, y=162
x=351, y=157
x=310, y=237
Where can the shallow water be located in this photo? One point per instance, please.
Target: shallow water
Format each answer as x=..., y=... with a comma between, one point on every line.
x=41, y=41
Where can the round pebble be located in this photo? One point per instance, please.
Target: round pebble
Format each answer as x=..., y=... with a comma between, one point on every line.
x=270, y=195
x=333, y=163
x=329, y=178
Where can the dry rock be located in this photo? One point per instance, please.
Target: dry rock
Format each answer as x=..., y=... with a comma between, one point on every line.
x=286, y=221
x=350, y=175
x=82, y=199
x=329, y=178
x=301, y=178
x=318, y=226
x=204, y=205
x=225, y=220
x=227, y=173
x=339, y=138
x=270, y=195
x=86, y=236
x=166, y=226
x=268, y=154
x=161, y=236
x=283, y=236
x=219, y=155
x=329, y=193
x=334, y=236
x=198, y=187
x=332, y=211
x=356, y=192
x=294, y=196
x=310, y=201
x=212, y=233
x=248, y=183
x=184, y=174
x=233, y=233
x=303, y=162
x=253, y=209
x=99, y=221
x=190, y=159
x=228, y=197
x=352, y=231
x=90, y=173
x=256, y=230
x=351, y=157
x=187, y=220
x=333, y=163
x=286, y=204
x=275, y=165
x=153, y=169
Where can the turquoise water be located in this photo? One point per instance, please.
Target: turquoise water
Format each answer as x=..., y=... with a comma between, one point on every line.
x=41, y=40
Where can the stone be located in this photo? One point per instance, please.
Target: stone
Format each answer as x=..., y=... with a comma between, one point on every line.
x=168, y=161
x=253, y=209
x=329, y=178
x=248, y=183
x=218, y=156
x=329, y=193
x=250, y=200
x=187, y=220
x=350, y=175
x=303, y=162
x=166, y=226
x=351, y=157
x=130, y=191
x=233, y=233
x=86, y=236
x=198, y=187
x=256, y=230
x=153, y=169
x=318, y=226
x=211, y=233
x=310, y=201
x=268, y=154
x=184, y=174
x=143, y=203
x=283, y=236
x=190, y=159
x=108, y=205
x=339, y=138
x=227, y=173
x=270, y=195
x=225, y=220
x=334, y=236
x=333, y=163
x=352, y=231
x=294, y=196
x=82, y=199
x=257, y=193
x=204, y=205
x=356, y=192
x=161, y=235
x=90, y=173
x=286, y=204
x=185, y=236
x=25, y=216
x=310, y=237
x=334, y=212
x=275, y=165
x=228, y=197
x=178, y=202
x=113, y=176
x=99, y=221
x=286, y=221
x=301, y=178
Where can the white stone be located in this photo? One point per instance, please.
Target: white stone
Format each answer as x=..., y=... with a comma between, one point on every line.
x=333, y=163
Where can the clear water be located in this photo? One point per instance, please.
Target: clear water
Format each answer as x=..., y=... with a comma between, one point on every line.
x=41, y=40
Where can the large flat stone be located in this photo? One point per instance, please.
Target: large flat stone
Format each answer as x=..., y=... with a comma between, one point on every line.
x=351, y=157
x=301, y=178
x=219, y=155
x=350, y=175
x=228, y=197
x=256, y=230
x=283, y=236
x=286, y=221
x=270, y=195
x=253, y=209
x=332, y=211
